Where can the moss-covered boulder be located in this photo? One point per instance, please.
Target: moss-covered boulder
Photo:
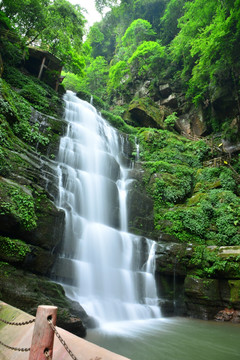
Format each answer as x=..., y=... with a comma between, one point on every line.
x=29, y=216
x=145, y=113
x=26, y=291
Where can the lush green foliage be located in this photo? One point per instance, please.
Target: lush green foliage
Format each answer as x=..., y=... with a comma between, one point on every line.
x=117, y=122
x=205, y=45
x=170, y=120
x=200, y=41
x=13, y=250
x=118, y=75
x=101, y=4
x=207, y=262
x=148, y=60
x=18, y=203
x=139, y=31
x=18, y=111
x=56, y=26
x=191, y=203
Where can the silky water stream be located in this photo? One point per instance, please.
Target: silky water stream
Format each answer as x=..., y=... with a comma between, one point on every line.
x=109, y=271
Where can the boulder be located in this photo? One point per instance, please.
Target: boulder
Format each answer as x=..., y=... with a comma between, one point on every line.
x=32, y=258
x=230, y=147
x=165, y=90
x=192, y=123
x=205, y=297
x=17, y=221
x=227, y=314
x=27, y=291
x=223, y=101
x=170, y=101
x=144, y=90
x=173, y=258
x=145, y=113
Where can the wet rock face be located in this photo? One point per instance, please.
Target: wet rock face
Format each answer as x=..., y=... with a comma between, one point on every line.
x=205, y=298
x=16, y=220
x=197, y=296
x=193, y=122
x=139, y=205
x=27, y=291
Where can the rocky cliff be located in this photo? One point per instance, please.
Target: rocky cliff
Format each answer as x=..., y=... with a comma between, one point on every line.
x=31, y=225
x=184, y=194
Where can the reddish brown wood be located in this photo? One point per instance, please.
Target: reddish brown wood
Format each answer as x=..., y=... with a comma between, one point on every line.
x=43, y=335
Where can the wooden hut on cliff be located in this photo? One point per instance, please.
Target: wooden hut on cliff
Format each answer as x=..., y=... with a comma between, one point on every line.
x=44, y=66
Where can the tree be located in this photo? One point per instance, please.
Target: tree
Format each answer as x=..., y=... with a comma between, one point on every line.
x=140, y=30
x=206, y=46
x=102, y=4
x=118, y=75
x=169, y=21
x=147, y=60
x=96, y=77
x=27, y=16
x=197, y=15
x=63, y=34
x=216, y=51
x=54, y=26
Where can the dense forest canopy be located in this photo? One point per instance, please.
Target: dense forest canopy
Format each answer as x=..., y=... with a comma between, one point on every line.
x=195, y=44
x=57, y=27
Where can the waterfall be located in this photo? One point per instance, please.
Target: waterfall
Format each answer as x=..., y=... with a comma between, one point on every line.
x=109, y=271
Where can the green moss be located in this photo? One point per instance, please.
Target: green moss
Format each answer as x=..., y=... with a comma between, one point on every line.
x=41, y=96
x=153, y=113
x=19, y=204
x=234, y=290
x=8, y=314
x=192, y=203
x=196, y=199
x=13, y=250
x=117, y=122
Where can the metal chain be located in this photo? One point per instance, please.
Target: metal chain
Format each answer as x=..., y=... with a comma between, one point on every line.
x=47, y=355
x=18, y=324
x=14, y=348
x=61, y=340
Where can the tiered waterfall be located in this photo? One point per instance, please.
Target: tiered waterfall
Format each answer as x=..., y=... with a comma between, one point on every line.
x=109, y=271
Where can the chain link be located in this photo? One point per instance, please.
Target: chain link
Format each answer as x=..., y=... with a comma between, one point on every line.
x=47, y=355
x=19, y=323
x=14, y=348
x=61, y=340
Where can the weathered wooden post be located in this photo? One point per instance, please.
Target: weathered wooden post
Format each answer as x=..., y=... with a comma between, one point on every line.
x=43, y=334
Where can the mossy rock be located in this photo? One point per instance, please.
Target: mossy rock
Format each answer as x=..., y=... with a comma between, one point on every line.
x=27, y=291
x=146, y=113
x=13, y=250
x=234, y=292
x=196, y=199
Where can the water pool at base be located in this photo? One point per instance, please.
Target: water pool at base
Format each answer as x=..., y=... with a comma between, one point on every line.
x=170, y=339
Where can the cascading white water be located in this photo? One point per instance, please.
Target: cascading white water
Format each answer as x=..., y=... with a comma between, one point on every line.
x=106, y=269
